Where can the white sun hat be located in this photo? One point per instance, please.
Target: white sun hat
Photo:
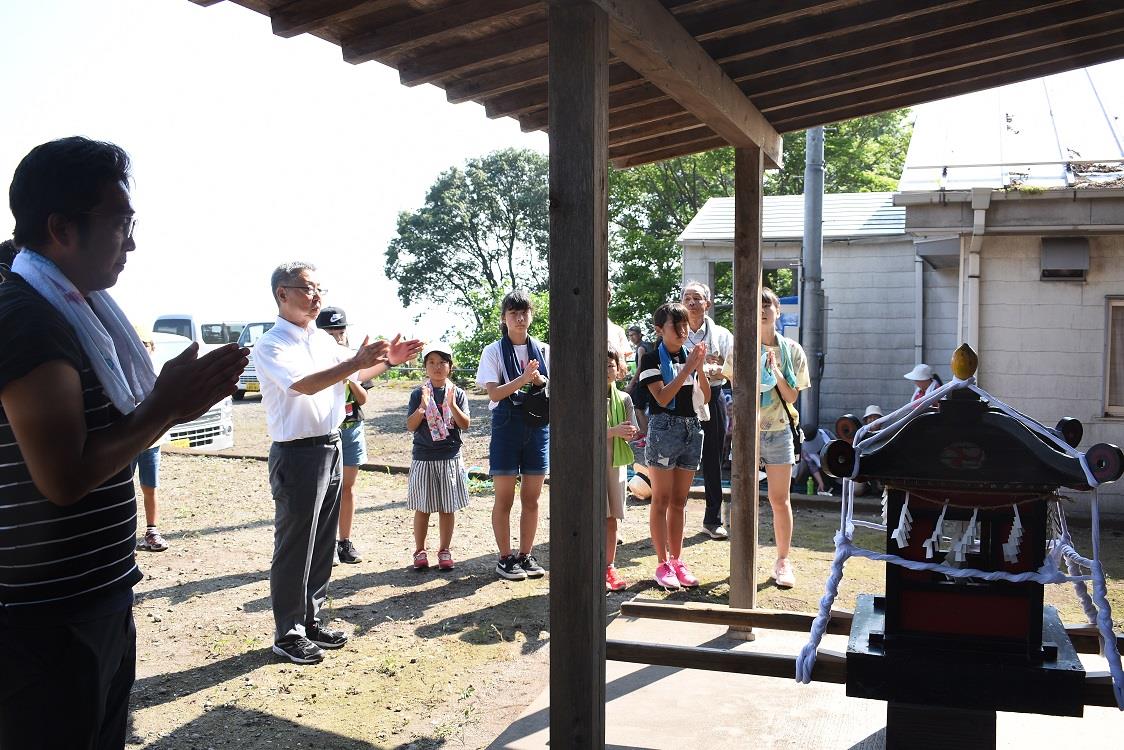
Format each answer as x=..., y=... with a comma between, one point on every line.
x=921, y=372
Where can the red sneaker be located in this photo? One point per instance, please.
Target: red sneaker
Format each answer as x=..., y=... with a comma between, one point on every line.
x=445, y=560
x=421, y=560
x=613, y=580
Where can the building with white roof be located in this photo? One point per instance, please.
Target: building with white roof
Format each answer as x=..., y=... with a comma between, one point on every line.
x=1007, y=232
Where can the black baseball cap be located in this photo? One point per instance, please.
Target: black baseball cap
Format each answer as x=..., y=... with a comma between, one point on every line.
x=331, y=317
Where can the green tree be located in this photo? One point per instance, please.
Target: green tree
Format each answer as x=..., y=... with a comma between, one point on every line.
x=651, y=205
x=483, y=230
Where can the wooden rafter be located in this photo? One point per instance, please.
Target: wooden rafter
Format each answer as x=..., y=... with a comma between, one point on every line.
x=437, y=26
x=649, y=39
x=304, y=16
x=516, y=45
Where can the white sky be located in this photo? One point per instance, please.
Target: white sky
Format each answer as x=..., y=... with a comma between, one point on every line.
x=248, y=149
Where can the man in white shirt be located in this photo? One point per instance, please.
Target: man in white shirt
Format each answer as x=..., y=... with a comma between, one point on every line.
x=303, y=374
x=719, y=348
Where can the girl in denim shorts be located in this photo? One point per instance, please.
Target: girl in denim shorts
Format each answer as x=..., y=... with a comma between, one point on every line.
x=509, y=369
x=784, y=373
x=679, y=392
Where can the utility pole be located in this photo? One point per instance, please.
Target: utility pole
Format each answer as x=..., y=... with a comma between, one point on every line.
x=811, y=278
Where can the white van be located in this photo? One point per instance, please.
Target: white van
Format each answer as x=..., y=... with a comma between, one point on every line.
x=208, y=335
x=211, y=431
x=248, y=380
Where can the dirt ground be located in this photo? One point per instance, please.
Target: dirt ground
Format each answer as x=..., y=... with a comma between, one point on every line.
x=435, y=659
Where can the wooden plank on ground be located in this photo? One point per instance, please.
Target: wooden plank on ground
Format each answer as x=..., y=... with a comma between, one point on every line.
x=716, y=614
x=830, y=667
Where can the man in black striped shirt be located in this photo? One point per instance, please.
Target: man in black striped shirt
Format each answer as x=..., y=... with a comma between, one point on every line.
x=68, y=512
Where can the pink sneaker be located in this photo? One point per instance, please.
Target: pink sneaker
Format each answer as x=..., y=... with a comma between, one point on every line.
x=445, y=560
x=421, y=560
x=686, y=580
x=666, y=577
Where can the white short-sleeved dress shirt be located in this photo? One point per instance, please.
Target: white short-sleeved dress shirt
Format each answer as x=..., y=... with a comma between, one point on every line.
x=285, y=354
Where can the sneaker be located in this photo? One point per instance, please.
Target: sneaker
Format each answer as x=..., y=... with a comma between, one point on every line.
x=445, y=560
x=299, y=650
x=824, y=493
x=421, y=560
x=325, y=638
x=613, y=580
x=686, y=580
x=153, y=542
x=508, y=567
x=716, y=531
x=531, y=566
x=666, y=577
x=347, y=553
x=783, y=574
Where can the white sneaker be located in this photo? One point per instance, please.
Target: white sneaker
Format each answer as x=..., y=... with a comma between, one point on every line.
x=716, y=532
x=783, y=574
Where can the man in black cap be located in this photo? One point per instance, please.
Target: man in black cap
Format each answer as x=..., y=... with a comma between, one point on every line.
x=352, y=441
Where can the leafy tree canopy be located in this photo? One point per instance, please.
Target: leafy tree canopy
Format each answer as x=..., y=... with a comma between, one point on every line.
x=483, y=230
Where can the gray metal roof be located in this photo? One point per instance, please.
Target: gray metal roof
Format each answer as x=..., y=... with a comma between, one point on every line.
x=1064, y=130
x=846, y=215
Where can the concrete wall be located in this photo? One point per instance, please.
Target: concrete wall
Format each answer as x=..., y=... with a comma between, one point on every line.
x=869, y=286
x=1042, y=343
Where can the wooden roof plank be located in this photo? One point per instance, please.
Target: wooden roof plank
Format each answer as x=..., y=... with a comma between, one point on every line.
x=516, y=45
x=660, y=142
x=916, y=92
x=503, y=80
x=671, y=152
x=436, y=26
x=527, y=99
x=652, y=42
x=851, y=82
x=304, y=16
x=668, y=125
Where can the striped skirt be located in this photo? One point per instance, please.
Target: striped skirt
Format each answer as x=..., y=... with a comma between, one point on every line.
x=437, y=486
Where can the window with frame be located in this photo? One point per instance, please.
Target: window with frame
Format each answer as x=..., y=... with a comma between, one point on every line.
x=1114, y=357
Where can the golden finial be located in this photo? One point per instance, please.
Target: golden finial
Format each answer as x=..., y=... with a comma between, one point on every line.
x=964, y=362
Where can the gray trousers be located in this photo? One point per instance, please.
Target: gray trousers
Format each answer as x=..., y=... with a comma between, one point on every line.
x=306, y=487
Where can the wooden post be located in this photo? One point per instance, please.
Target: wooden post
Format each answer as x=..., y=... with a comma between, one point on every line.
x=748, y=173
x=578, y=97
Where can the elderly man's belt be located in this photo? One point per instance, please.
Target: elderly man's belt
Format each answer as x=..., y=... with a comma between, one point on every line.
x=328, y=439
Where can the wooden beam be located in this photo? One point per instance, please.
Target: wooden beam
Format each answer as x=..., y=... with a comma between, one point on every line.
x=303, y=16
x=836, y=77
x=495, y=82
x=925, y=90
x=516, y=45
x=649, y=39
x=206, y=3
x=661, y=142
x=532, y=97
x=714, y=614
x=579, y=269
x=749, y=175
x=667, y=126
x=671, y=152
x=830, y=667
x=437, y=26
x=658, y=112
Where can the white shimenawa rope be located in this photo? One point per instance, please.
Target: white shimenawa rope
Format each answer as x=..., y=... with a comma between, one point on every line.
x=1096, y=608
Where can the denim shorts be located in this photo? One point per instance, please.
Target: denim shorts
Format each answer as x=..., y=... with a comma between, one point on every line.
x=354, y=445
x=516, y=448
x=776, y=447
x=674, y=442
x=149, y=464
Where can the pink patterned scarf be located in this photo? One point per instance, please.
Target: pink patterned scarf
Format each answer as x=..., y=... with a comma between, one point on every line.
x=440, y=418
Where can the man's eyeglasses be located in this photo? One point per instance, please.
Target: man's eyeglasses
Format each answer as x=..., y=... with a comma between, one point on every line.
x=309, y=291
x=126, y=223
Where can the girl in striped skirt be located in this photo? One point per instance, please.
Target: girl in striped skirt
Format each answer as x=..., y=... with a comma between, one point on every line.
x=438, y=411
